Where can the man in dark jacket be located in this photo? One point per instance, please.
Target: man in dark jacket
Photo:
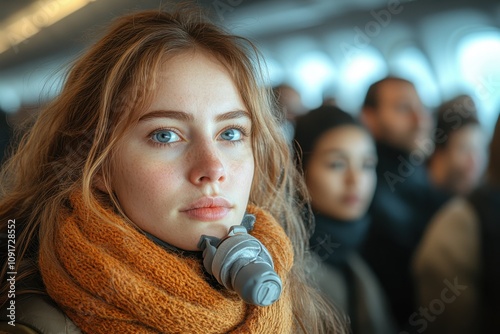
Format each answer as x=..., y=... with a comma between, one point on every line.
x=404, y=200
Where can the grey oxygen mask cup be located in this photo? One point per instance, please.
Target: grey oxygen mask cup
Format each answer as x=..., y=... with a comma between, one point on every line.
x=240, y=262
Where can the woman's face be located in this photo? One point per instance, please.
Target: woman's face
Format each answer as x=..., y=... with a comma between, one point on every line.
x=466, y=155
x=340, y=174
x=186, y=168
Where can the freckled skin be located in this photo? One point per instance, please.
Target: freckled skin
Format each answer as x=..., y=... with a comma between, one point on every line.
x=155, y=181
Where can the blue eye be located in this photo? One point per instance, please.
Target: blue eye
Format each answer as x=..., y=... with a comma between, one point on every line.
x=165, y=136
x=231, y=135
x=337, y=165
x=369, y=165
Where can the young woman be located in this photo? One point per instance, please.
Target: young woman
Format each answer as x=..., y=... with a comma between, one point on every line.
x=162, y=133
x=338, y=160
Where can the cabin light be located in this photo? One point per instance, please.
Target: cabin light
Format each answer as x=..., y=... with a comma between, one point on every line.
x=30, y=20
x=313, y=72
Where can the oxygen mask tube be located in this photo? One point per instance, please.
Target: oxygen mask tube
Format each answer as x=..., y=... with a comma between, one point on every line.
x=240, y=262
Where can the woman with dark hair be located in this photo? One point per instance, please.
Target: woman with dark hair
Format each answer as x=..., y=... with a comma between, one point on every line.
x=338, y=158
x=456, y=266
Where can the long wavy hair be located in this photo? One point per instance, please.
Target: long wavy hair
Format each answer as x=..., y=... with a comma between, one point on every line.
x=70, y=146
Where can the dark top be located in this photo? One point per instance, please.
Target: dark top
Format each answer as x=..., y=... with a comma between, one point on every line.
x=404, y=203
x=333, y=241
x=486, y=202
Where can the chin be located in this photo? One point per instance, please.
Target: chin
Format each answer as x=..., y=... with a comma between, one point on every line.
x=351, y=216
x=218, y=230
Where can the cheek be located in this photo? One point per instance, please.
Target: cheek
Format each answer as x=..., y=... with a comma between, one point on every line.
x=368, y=183
x=458, y=158
x=324, y=185
x=481, y=160
x=242, y=172
x=392, y=123
x=404, y=123
x=139, y=179
x=398, y=121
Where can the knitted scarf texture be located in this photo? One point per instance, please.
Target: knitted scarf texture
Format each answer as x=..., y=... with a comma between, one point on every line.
x=110, y=278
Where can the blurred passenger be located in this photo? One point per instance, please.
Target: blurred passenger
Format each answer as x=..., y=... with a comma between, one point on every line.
x=339, y=159
x=290, y=102
x=457, y=263
x=404, y=199
x=459, y=157
x=329, y=101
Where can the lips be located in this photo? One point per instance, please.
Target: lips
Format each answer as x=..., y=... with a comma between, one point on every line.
x=208, y=209
x=351, y=199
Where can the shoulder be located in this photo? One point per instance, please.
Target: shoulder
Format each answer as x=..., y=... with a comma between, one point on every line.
x=330, y=282
x=41, y=315
x=368, y=298
x=456, y=220
x=452, y=237
x=457, y=207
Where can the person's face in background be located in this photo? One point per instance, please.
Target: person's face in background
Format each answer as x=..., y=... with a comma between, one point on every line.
x=187, y=167
x=466, y=156
x=400, y=119
x=340, y=174
x=291, y=101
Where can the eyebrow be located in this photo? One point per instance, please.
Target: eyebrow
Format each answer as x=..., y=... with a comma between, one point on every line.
x=184, y=116
x=232, y=115
x=336, y=151
x=339, y=151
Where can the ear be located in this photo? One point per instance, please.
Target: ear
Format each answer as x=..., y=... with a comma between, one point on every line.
x=101, y=184
x=438, y=156
x=368, y=118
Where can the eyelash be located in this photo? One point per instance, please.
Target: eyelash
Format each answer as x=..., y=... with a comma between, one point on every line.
x=242, y=129
x=158, y=144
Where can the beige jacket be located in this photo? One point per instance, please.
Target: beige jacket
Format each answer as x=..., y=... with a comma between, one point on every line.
x=38, y=314
x=446, y=271
x=371, y=306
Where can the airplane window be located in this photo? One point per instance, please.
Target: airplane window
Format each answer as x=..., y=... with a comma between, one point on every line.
x=275, y=72
x=477, y=57
x=410, y=63
x=358, y=73
x=39, y=84
x=313, y=72
x=9, y=99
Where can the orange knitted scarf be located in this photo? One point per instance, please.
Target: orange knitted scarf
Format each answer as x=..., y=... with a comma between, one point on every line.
x=110, y=278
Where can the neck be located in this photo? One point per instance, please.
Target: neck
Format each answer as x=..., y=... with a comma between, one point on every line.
x=334, y=240
x=390, y=148
x=437, y=171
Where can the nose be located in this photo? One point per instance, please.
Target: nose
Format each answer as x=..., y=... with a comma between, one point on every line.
x=352, y=176
x=422, y=119
x=206, y=165
x=475, y=162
